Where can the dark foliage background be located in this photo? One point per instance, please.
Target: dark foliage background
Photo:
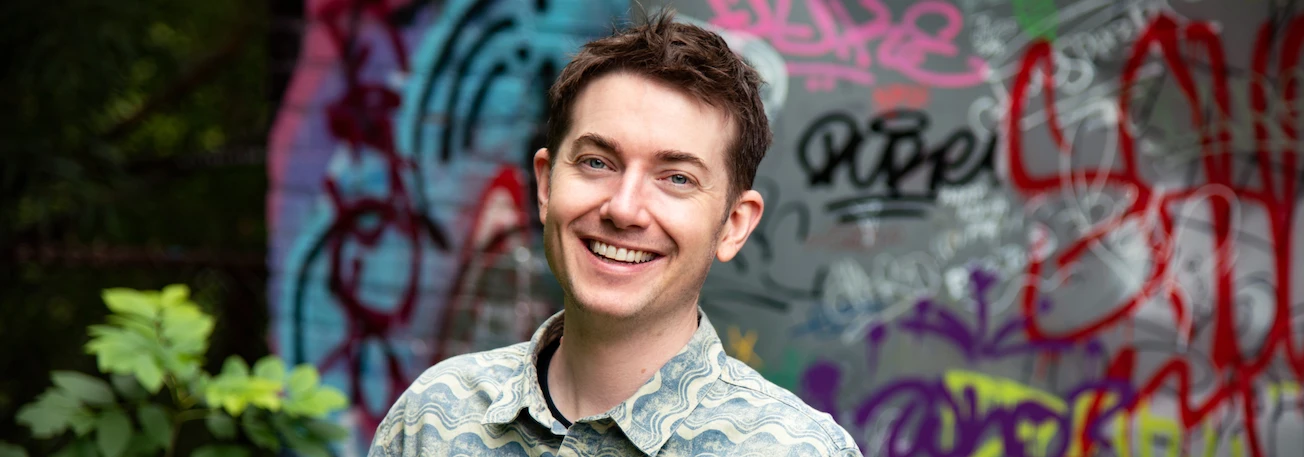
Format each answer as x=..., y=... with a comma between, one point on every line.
x=133, y=138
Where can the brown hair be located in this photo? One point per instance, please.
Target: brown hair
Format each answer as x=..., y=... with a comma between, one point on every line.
x=696, y=61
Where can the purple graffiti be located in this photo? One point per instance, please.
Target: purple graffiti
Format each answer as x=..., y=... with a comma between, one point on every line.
x=918, y=427
x=914, y=408
x=976, y=341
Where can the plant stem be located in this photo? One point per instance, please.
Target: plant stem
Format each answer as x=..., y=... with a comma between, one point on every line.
x=180, y=419
x=172, y=440
x=184, y=415
x=192, y=414
x=184, y=399
x=173, y=388
x=176, y=420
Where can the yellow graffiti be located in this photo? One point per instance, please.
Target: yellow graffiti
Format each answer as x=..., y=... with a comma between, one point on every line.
x=744, y=347
x=1151, y=429
x=997, y=392
x=1284, y=391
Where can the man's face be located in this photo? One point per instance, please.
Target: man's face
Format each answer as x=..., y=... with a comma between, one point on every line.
x=635, y=205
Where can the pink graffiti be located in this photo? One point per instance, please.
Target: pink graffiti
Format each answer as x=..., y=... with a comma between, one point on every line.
x=901, y=46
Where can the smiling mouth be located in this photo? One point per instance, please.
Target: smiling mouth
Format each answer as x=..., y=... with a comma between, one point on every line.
x=621, y=255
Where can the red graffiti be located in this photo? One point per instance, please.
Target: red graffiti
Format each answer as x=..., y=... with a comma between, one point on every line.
x=1151, y=209
x=499, y=223
x=900, y=96
x=361, y=117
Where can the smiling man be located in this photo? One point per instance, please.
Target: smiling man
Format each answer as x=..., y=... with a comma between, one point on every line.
x=654, y=138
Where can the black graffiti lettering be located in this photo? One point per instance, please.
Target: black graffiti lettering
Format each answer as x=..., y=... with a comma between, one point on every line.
x=835, y=142
x=834, y=156
x=959, y=171
x=903, y=129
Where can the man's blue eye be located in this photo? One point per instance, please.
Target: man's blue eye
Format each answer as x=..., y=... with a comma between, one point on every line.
x=596, y=163
x=679, y=179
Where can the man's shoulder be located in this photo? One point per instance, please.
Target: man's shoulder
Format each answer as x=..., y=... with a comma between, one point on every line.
x=444, y=410
x=450, y=398
x=475, y=371
x=743, y=394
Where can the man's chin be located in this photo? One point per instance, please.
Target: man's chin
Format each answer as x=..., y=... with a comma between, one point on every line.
x=609, y=305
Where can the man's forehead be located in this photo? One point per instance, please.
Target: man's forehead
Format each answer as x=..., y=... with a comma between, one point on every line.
x=633, y=113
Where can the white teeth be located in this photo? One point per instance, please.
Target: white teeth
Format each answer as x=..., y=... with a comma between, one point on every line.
x=619, y=254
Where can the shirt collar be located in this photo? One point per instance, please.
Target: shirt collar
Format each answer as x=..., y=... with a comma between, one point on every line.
x=522, y=391
x=650, y=416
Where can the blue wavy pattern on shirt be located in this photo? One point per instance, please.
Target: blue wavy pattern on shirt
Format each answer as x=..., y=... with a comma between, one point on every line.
x=700, y=403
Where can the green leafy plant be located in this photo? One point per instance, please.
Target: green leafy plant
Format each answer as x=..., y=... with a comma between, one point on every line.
x=152, y=349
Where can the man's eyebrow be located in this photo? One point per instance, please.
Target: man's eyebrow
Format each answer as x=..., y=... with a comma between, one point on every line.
x=595, y=140
x=665, y=155
x=671, y=155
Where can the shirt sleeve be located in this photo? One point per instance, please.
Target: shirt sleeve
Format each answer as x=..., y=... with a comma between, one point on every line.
x=390, y=439
x=852, y=451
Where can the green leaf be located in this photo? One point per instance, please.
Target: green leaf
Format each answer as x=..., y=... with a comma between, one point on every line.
x=130, y=301
x=115, y=346
x=234, y=404
x=311, y=449
x=150, y=376
x=263, y=393
x=82, y=422
x=174, y=294
x=154, y=422
x=234, y=389
x=222, y=426
x=50, y=414
x=199, y=383
x=258, y=431
x=270, y=367
x=183, y=366
x=234, y=365
x=79, y=448
x=11, y=450
x=224, y=450
x=302, y=379
x=125, y=352
x=285, y=427
x=135, y=324
x=316, y=403
x=307, y=398
x=186, y=329
x=141, y=445
x=128, y=387
x=86, y=388
x=112, y=433
x=297, y=439
x=326, y=430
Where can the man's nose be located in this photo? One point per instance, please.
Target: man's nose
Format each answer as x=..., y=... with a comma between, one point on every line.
x=627, y=207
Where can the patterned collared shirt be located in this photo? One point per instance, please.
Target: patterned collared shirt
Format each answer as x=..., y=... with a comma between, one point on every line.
x=700, y=403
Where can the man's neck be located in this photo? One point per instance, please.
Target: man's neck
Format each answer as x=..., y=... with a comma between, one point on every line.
x=601, y=363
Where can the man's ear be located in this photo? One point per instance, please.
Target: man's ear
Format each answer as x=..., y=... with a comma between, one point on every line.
x=543, y=176
x=739, y=224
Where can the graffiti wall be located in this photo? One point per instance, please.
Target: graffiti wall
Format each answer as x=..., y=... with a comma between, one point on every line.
x=1029, y=227
x=401, y=207
x=993, y=228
